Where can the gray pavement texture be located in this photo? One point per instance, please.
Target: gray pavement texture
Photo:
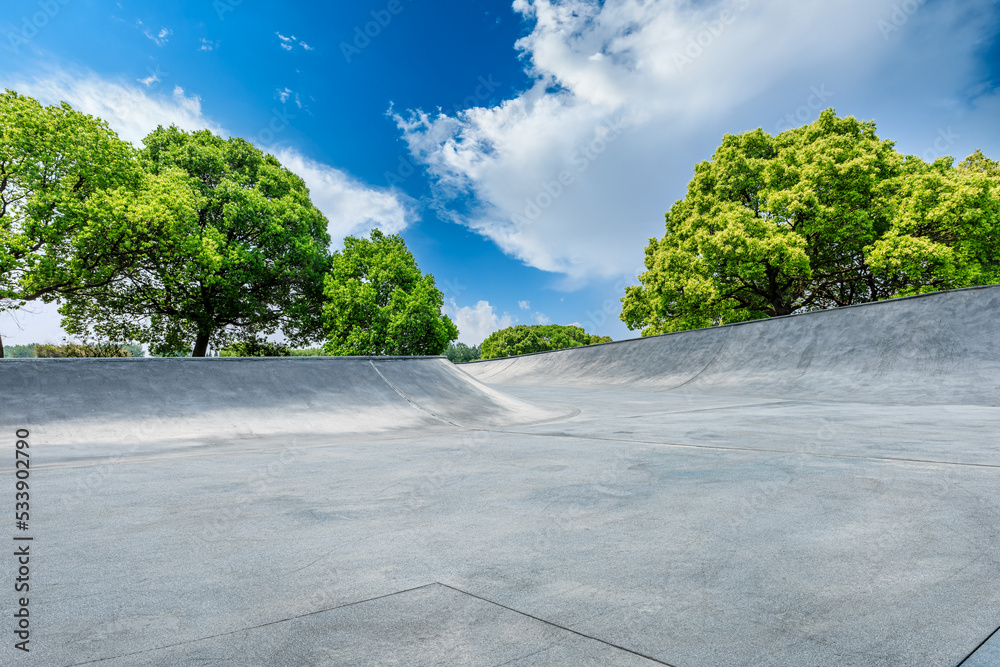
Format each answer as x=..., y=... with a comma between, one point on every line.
x=822, y=489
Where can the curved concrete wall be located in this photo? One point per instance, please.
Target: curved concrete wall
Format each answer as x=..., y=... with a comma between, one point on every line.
x=74, y=401
x=938, y=348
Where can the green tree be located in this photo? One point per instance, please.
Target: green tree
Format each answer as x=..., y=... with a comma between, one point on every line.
x=820, y=216
x=945, y=230
x=233, y=250
x=525, y=339
x=459, y=353
x=66, y=181
x=255, y=348
x=83, y=350
x=379, y=303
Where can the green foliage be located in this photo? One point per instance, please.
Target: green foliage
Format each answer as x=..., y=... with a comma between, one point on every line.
x=255, y=348
x=458, y=353
x=20, y=351
x=82, y=350
x=66, y=182
x=308, y=352
x=525, y=339
x=230, y=247
x=820, y=216
x=378, y=302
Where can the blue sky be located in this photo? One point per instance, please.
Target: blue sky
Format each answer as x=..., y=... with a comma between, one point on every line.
x=525, y=151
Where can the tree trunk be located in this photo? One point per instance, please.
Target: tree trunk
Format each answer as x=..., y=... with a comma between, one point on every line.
x=201, y=344
x=1, y=347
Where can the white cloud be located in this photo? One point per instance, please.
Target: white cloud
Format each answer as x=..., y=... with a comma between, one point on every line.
x=629, y=95
x=352, y=207
x=477, y=322
x=542, y=318
x=524, y=305
x=131, y=111
x=288, y=43
x=207, y=45
x=160, y=38
x=149, y=80
x=286, y=94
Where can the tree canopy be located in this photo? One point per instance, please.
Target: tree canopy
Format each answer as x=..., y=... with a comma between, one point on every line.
x=379, y=303
x=66, y=181
x=525, y=339
x=231, y=248
x=816, y=217
x=459, y=353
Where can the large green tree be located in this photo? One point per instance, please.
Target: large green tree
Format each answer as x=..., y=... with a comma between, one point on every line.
x=233, y=249
x=66, y=183
x=379, y=303
x=820, y=216
x=525, y=339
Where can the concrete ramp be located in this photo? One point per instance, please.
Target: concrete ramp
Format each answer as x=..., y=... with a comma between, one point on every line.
x=939, y=348
x=93, y=403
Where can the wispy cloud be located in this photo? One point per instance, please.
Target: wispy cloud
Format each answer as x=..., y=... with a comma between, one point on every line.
x=288, y=42
x=524, y=305
x=207, y=45
x=132, y=111
x=285, y=94
x=161, y=37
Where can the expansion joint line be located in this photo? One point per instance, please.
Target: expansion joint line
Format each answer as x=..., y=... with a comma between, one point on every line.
x=981, y=644
x=410, y=400
x=556, y=625
x=253, y=627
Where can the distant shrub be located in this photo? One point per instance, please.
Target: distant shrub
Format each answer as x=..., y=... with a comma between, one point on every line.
x=82, y=350
x=525, y=339
x=255, y=348
x=458, y=353
x=19, y=351
x=310, y=352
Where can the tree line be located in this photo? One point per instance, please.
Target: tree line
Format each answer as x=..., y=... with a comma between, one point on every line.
x=192, y=241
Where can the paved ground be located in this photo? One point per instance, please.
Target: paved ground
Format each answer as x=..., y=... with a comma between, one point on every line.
x=727, y=497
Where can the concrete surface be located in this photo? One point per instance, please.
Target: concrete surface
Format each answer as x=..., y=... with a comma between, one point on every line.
x=821, y=489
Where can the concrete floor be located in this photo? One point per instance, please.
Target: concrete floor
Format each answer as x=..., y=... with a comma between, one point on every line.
x=534, y=521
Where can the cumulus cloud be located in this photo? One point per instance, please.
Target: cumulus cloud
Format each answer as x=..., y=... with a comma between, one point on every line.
x=524, y=305
x=571, y=175
x=476, y=323
x=542, y=318
x=352, y=207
